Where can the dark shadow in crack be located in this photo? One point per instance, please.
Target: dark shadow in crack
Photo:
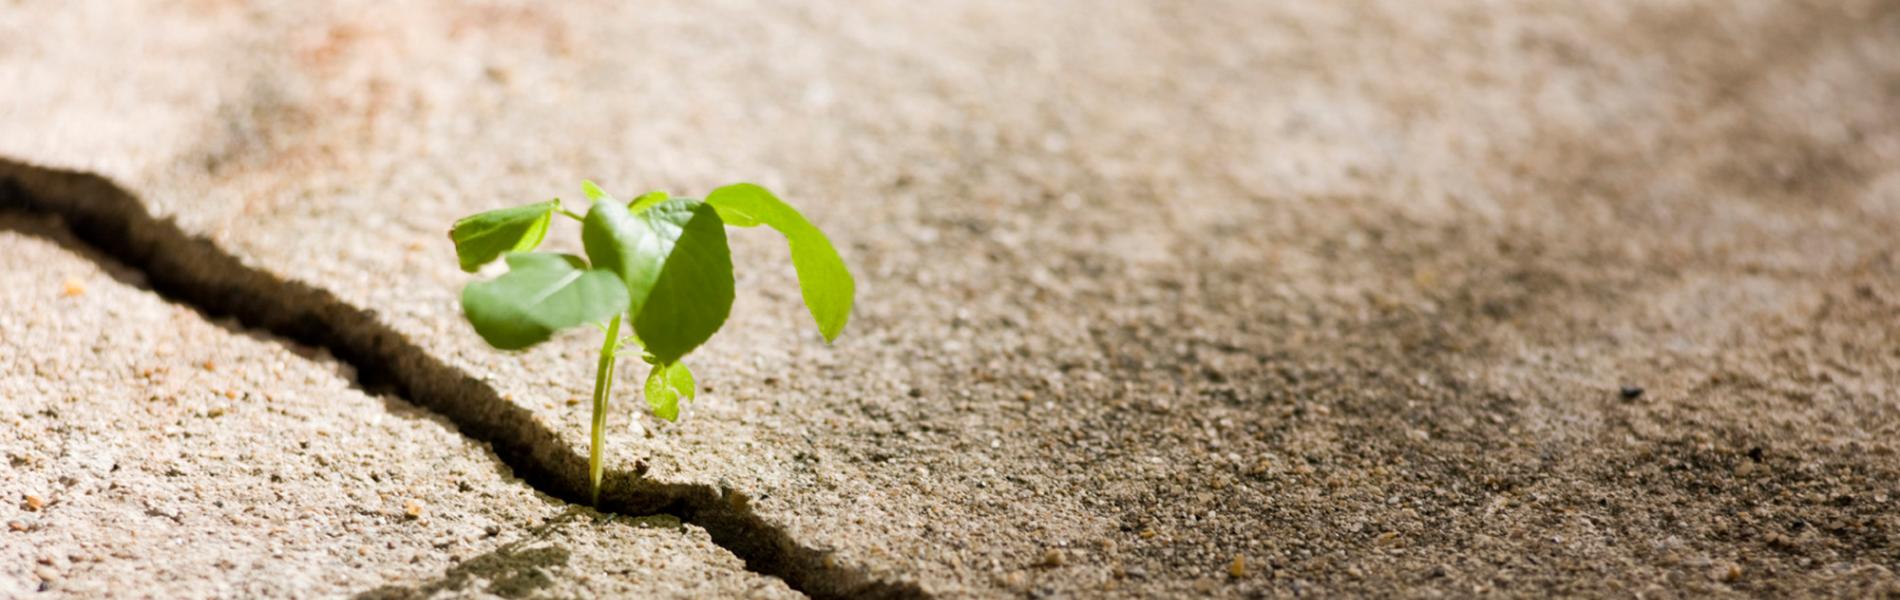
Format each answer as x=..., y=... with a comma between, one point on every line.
x=51, y=228
x=195, y=272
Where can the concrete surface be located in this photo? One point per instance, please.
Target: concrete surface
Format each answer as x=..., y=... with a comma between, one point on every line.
x=1221, y=298
x=155, y=454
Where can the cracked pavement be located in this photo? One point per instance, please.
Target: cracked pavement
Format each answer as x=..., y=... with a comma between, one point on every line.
x=1224, y=298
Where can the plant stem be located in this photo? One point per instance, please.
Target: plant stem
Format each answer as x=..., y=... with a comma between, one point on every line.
x=603, y=388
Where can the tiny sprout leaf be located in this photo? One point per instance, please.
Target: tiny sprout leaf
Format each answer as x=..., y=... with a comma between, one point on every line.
x=675, y=264
x=542, y=293
x=646, y=201
x=483, y=237
x=619, y=242
x=822, y=277
x=666, y=385
x=594, y=193
x=693, y=294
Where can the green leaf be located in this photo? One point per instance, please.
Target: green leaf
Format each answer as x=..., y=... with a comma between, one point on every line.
x=822, y=277
x=481, y=238
x=542, y=293
x=594, y=192
x=646, y=201
x=619, y=242
x=675, y=264
x=666, y=385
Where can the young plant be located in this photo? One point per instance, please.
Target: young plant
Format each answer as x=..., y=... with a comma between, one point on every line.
x=658, y=264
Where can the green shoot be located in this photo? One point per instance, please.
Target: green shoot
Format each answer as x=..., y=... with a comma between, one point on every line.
x=658, y=263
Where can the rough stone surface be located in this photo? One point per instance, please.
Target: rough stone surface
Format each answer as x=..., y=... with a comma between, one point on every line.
x=153, y=453
x=1342, y=293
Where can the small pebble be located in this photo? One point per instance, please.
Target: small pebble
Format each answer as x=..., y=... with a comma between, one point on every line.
x=1238, y=568
x=209, y=365
x=73, y=287
x=35, y=503
x=1729, y=572
x=47, y=574
x=16, y=526
x=1630, y=392
x=412, y=508
x=1052, y=558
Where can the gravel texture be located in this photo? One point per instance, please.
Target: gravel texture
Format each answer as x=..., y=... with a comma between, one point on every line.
x=1223, y=298
x=153, y=453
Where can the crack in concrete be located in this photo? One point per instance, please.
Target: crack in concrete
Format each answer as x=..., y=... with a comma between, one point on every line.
x=194, y=271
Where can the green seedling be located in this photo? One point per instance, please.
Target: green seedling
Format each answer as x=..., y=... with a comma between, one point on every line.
x=657, y=264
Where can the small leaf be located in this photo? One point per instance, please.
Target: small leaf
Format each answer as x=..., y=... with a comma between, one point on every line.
x=693, y=295
x=675, y=264
x=666, y=385
x=738, y=207
x=481, y=238
x=618, y=241
x=822, y=277
x=646, y=201
x=542, y=293
x=594, y=193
